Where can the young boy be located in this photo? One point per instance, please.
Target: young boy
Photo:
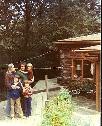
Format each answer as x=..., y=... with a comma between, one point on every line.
x=15, y=92
x=27, y=92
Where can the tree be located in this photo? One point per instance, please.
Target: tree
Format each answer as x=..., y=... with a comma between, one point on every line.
x=28, y=27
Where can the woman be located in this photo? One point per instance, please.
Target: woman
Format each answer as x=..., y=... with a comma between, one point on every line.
x=23, y=76
x=22, y=72
x=9, y=79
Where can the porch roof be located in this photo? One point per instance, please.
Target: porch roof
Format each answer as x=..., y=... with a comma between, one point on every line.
x=80, y=42
x=97, y=47
x=93, y=49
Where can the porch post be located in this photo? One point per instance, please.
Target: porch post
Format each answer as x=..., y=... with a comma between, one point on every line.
x=72, y=69
x=82, y=68
x=98, y=92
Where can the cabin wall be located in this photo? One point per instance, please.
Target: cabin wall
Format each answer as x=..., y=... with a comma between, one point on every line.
x=65, y=63
x=70, y=61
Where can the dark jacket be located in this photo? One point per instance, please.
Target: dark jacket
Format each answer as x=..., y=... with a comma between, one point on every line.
x=9, y=79
x=15, y=93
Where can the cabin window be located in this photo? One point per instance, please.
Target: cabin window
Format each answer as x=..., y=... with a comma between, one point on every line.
x=83, y=68
x=87, y=69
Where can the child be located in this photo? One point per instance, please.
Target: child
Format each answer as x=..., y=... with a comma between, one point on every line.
x=27, y=92
x=15, y=92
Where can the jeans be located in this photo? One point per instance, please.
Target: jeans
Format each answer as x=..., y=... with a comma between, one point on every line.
x=27, y=106
x=8, y=105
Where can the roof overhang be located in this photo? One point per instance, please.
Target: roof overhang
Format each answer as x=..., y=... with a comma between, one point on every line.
x=80, y=42
x=91, y=49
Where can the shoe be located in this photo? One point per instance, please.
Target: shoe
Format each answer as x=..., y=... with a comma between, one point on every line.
x=12, y=118
x=23, y=117
x=30, y=116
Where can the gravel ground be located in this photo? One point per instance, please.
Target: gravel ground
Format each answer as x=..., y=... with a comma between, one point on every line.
x=38, y=101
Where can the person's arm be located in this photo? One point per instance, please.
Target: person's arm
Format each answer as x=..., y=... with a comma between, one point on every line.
x=23, y=75
x=17, y=87
x=20, y=85
x=30, y=76
x=13, y=86
x=31, y=80
x=31, y=91
x=7, y=81
x=24, y=89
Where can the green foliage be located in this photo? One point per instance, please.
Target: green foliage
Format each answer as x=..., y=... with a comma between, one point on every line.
x=88, y=85
x=79, y=87
x=30, y=26
x=58, y=110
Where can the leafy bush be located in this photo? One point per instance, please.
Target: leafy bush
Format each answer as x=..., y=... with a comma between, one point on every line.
x=85, y=87
x=58, y=110
x=88, y=85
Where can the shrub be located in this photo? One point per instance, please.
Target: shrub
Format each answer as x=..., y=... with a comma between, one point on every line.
x=58, y=111
x=88, y=85
x=78, y=87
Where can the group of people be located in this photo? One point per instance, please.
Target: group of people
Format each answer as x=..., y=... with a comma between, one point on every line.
x=19, y=90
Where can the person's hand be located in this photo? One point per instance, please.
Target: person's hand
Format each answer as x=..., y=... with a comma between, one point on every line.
x=13, y=86
x=29, y=81
x=23, y=89
x=30, y=93
x=17, y=87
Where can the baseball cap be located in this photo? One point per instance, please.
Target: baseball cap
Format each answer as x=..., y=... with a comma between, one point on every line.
x=11, y=65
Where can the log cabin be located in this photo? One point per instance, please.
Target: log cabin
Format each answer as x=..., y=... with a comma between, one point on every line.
x=80, y=58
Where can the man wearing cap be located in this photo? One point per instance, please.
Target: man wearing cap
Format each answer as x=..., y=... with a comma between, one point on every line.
x=9, y=79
